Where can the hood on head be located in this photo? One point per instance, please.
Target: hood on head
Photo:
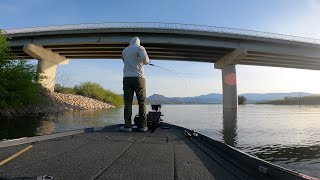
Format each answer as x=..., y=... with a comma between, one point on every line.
x=135, y=40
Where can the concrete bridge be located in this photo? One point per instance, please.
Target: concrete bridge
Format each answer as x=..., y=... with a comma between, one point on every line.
x=225, y=47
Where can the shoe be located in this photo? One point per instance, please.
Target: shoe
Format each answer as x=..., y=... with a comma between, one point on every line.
x=124, y=129
x=144, y=129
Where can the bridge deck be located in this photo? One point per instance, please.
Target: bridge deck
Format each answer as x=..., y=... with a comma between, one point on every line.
x=110, y=154
x=165, y=41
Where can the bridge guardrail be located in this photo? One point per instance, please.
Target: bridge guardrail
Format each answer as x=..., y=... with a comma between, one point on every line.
x=174, y=26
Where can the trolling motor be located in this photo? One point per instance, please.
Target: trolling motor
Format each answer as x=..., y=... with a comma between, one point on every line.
x=153, y=117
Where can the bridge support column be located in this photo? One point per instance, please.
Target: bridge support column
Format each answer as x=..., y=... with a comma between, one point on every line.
x=47, y=64
x=229, y=87
x=229, y=77
x=47, y=71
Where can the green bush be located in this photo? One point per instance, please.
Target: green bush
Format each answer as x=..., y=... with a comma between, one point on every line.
x=18, y=79
x=96, y=91
x=66, y=90
x=92, y=90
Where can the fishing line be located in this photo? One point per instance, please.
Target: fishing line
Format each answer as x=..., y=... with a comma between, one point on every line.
x=176, y=73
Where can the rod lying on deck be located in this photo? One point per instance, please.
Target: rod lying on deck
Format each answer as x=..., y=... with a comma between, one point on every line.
x=16, y=155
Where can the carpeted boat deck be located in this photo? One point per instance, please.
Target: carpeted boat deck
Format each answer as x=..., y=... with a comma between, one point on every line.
x=167, y=153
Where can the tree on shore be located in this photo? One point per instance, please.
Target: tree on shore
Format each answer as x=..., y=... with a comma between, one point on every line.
x=18, y=80
x=242, y=100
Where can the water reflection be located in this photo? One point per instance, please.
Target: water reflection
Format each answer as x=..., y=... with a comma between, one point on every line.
x=46, y=127
x=15, y=128
x=285, y=135
x=305, y=159
x=229, y=131
x=287, y=155
x=88, y=118
x=66, y=121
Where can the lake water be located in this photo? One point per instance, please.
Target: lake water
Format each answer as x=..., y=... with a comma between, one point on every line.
x=288, y=136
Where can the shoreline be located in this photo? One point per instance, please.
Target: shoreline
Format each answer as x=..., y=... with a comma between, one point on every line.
x=55, y=103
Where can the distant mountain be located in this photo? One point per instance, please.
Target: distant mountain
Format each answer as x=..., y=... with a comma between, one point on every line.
x=210, y=96
x=215, y=98
x=160, y=99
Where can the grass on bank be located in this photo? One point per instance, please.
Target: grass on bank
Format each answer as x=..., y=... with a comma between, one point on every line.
x=306, y=100
x=92, y=90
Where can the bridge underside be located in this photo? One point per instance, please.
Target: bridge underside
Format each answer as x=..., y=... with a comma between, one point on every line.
x=113, y=51
x=175, y=52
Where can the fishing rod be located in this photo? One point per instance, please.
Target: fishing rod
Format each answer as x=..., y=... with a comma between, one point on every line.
x=172, y=71
x=169, y=70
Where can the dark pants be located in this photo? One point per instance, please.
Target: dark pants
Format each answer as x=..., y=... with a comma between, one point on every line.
x=137, y=85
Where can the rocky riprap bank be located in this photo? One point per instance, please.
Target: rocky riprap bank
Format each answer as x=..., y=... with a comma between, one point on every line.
x=56, y=103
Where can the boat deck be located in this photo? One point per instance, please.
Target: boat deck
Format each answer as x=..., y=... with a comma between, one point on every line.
x=166, y=153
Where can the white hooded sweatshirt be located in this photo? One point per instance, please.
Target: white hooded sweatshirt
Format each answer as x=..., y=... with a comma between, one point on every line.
x=134, y=57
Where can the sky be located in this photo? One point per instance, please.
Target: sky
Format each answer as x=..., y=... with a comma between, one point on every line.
x=294, y=17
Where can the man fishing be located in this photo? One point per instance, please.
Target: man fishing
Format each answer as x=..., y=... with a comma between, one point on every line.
x=134, y=58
